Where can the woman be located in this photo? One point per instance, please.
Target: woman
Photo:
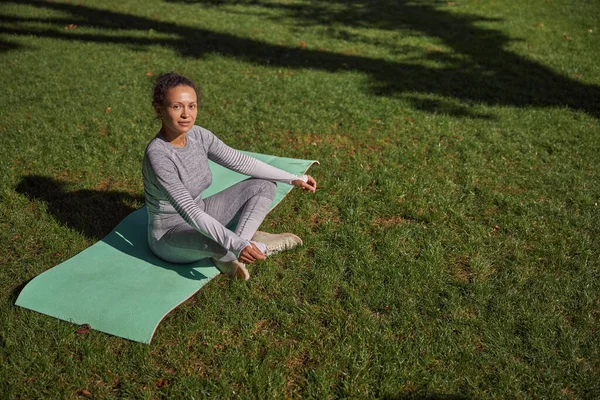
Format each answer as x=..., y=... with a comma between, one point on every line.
x=182, y=227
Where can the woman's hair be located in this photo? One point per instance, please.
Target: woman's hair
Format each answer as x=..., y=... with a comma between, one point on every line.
x=164, y=82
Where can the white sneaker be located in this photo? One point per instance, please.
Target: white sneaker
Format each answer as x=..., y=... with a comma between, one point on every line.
x=277, y=242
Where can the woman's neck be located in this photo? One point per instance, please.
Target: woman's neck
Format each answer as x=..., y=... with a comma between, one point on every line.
x=176, y=139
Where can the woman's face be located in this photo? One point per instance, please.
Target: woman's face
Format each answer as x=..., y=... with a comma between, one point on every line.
x=179, y=109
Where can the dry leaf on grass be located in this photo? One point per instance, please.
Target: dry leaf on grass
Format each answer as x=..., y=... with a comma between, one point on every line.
x=83, y=329
x=160, y=383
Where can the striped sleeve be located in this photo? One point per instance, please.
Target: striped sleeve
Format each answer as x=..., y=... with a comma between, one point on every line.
x=167, y=180
x=237, y=161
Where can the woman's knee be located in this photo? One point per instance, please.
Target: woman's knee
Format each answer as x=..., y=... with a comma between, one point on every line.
x=185, y=246
x=267, y=188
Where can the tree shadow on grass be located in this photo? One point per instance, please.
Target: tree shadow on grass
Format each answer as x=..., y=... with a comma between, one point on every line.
x=479, y=68
x=8, y=46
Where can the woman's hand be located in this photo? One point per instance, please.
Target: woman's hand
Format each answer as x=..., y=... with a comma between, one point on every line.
x=310, y=185
x=250, y=254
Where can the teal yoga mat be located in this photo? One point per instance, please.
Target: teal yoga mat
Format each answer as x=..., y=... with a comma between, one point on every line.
x=118, y=286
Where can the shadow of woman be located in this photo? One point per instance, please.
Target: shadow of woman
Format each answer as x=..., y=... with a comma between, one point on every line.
x=93, y=213
x=109, y=216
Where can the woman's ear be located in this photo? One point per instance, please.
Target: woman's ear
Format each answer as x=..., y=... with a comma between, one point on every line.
x=157, y=109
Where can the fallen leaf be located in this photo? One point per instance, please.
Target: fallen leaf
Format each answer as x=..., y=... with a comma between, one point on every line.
x=84, y=392
x=450, y=3
x=107, y=109
x=83, y=329
x=590, y=31
x=567, y=37
x=303, y=44
x=70, y=26
x=409, y=119
x=160, y=383
x=149, y=73
x=496, y=227
x=577, y=76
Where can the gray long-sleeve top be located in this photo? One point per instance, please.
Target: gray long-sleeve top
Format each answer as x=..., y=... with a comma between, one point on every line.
x=175, y=177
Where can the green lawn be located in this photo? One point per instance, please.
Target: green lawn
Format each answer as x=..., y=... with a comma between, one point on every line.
x=452, y=251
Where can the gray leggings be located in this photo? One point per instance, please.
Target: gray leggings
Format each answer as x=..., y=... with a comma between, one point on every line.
x=243, y=205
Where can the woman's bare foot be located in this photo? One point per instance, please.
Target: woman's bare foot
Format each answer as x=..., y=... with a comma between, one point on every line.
x=233, y=269
x=277, y=242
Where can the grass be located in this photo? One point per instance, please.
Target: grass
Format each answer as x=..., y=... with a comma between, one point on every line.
x=451, y=252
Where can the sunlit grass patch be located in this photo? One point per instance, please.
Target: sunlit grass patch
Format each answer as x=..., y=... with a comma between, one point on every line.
x=451, y=250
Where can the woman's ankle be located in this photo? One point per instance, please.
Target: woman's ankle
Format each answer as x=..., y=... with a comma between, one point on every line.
x=233, y=269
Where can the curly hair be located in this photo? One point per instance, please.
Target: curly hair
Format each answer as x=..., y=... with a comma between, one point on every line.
x=164, y=82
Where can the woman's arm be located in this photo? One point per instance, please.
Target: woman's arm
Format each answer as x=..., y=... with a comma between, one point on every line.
x=237, y=161
x=166, y=179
